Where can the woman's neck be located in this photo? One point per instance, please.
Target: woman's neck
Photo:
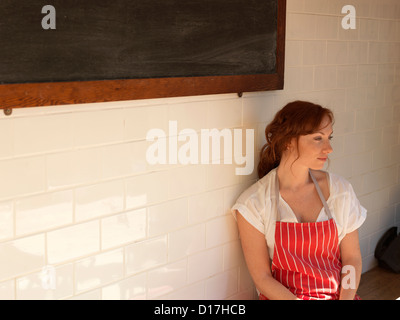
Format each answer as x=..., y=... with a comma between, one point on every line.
x=292, y=177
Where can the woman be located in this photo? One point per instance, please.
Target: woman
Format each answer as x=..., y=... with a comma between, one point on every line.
x=298, y=224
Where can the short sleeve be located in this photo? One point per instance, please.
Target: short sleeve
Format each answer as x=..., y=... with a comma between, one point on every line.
x=251, y=205
x=356, y=214
x=349, y=213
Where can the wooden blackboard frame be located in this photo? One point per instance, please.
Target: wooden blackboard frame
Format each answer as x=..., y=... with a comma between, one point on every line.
x=79, y=92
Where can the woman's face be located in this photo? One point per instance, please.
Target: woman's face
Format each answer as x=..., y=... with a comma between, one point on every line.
x=314, y=148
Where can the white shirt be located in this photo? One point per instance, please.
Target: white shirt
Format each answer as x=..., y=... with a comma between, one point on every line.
x=257, y=205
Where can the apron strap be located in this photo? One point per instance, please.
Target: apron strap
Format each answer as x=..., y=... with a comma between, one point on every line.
x=321, y=196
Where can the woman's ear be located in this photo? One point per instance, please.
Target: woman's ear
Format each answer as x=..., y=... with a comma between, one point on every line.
x=291, y=144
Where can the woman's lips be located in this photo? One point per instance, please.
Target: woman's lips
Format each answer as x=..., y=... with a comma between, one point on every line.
x=323, y=159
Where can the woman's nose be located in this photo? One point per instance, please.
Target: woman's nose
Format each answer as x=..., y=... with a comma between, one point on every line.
x=328, y=148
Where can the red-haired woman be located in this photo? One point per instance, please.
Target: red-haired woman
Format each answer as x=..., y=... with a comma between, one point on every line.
x=298, y=224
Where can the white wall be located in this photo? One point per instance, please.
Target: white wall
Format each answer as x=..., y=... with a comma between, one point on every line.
x=78, y=199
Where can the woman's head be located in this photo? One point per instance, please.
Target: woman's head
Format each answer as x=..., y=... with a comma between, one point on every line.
x=299, y=126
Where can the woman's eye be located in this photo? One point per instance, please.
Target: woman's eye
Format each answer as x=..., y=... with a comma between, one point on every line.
x=331, y=137
x=318, y=138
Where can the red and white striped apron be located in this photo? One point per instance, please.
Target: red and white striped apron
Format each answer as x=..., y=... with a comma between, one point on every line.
x=307, y=256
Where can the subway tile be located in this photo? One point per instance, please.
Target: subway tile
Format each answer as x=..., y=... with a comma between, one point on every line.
x=187, y=180
x=397, y=77
x=388, y=30
x=146, y=255
x=351, y=35
x=315, y=52
x=6, y=220
x=347, y=76
x=7, y=290
x=139, y=120
x=355, y=98
x=99, y=200
x=222, y=285
x=91, y=295
x=375, y=200
x=46, y=134
x=293, y=53
x=132, y=288
x=369, y=227
x=73, y=242
x=7, y=138
x=191, y=115
x=23, y=175
x=327, y=27
x=367, y=75
x=317, y=6
x=198, y=270
x=191, y=292
x=384, y=117
x=344, y=122
x=337, y=52
x=381, y=52
x=233, y=255
x=384, y=9
x=325, y=77
x=299, y=79
x=382, y=157
x=167, y=217
x=99, y=270
x=221, y=175
x=295, y=5
x=22, y=256
x=225, y=114
x=51, y=283
x=371, y=139
x=166, y=279
x=73, y=168
x=375, y=97
x=123, y=228
x=362, y=163
x=342, y=166
x=258, y=109
x=147, y=189
x=100, y=127
x=123, y=160
x=186, y=241
x=386, y=74
x=363, y=7
x=43, y=212
x=301, y=26
x=365, y=119
x=369, y=29
x=358, y=52
x=221, y=230
x=387, y=218
x=205, y=206
x=394, y=195
x=392, y=95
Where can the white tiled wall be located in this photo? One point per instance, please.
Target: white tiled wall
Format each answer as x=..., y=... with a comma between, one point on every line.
x=80, y=205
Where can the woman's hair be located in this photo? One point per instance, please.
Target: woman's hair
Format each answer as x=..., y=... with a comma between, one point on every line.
x=296, y=119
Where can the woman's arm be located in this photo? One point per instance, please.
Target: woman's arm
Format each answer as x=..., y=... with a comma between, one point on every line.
x=256, y=254
x=351, y=265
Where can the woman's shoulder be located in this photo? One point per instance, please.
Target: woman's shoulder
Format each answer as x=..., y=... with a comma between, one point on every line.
x=336, y=183
x=260, y=190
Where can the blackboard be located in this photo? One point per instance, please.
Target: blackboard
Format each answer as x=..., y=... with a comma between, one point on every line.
x=133, y=49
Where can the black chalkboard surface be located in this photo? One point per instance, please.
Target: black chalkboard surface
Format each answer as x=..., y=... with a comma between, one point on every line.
x=97, y=40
